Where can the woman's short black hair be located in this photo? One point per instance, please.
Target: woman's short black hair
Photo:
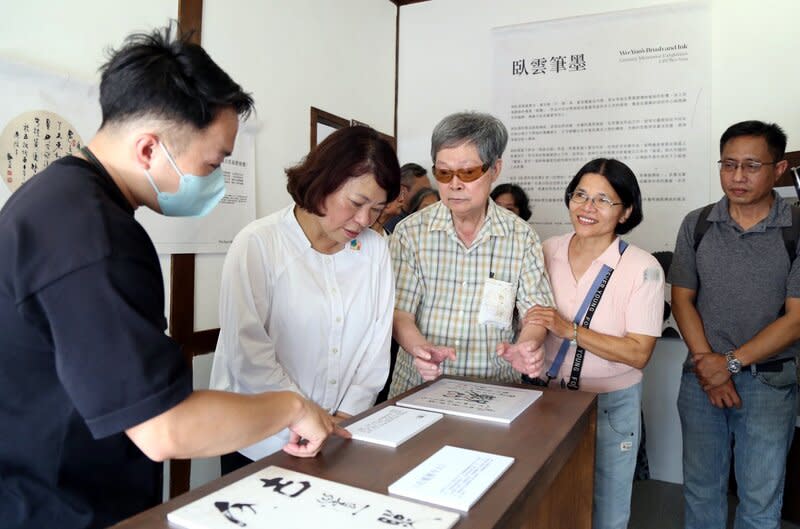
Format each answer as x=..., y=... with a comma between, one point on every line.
x=624, y=183
x=520, y=198
x=347, y=153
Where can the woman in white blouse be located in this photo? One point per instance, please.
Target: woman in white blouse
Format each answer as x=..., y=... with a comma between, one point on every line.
x=307, y=293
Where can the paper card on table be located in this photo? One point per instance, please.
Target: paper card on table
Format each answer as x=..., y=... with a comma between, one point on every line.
x=452, y=477
x=276, y=497
x=475, y=400
x=392, y=425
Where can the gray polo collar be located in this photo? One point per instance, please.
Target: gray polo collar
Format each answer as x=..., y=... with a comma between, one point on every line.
x=780, y=215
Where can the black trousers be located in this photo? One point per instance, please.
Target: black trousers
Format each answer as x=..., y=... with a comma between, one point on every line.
x=233, y=461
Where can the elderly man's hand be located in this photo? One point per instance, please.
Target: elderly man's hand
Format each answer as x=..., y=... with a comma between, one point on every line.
x=525, y=357
x=428, y=359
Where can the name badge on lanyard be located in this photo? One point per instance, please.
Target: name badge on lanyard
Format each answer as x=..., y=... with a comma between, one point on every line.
x=498, y=299
x=497, y=303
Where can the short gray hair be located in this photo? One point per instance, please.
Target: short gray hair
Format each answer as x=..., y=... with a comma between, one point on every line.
x=485, y=131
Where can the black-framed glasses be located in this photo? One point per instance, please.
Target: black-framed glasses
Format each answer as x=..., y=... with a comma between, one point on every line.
x=599, y=201
x=468, y=174
x=749, y=167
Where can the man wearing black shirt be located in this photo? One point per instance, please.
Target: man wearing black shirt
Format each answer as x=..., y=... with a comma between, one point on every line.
x=92, y=392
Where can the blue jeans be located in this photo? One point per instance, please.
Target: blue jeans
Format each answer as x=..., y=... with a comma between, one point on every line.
x=619, y=424
x=761, y=432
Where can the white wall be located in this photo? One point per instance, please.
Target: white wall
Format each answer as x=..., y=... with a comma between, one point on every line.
x=71, y=37
x=337, y=55
x=445, y=61
x=445, y=66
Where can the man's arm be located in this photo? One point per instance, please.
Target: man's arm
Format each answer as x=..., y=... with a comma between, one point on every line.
x=209, y=423
x=689, y=321
x=527, y=354
x=532, y=333
x=773, y=338
x=710, y=367
x=723, y=394
x=409, y=294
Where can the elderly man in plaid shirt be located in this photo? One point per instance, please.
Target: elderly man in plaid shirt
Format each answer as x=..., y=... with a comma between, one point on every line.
x=463, y=265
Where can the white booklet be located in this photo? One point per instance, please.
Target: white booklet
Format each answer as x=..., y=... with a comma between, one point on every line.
x=472, y=399
x=452, y=477
x=276, y=497
x=392, y=425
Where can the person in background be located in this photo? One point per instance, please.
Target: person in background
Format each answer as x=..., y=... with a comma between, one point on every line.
x=94, y=394
x=392, y=209
x=603, y=350
x=425, y=197
x=307, y=293
x=736, y=299
x=416, y=178
x=513, y=198
x=463, y=265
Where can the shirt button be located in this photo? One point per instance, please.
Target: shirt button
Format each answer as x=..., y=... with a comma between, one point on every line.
x=458, y=342
x=333, y=382
x=335, y=350
x=338, y=319
x=464, y=284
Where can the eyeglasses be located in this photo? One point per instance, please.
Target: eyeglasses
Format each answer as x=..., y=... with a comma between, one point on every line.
x=600, y=201
x=468, y=174
x=750, y=167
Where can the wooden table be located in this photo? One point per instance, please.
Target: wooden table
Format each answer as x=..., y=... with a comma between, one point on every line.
x=549, y=485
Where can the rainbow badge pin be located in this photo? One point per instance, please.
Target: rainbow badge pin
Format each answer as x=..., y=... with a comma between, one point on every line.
x=355, y=245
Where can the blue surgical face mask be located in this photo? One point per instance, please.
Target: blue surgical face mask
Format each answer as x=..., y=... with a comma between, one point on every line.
x=196, y=195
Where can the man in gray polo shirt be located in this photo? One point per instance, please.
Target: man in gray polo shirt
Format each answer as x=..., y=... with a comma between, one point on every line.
x=736, y=298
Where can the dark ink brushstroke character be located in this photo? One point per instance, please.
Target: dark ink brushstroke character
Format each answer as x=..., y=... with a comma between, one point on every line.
x=225, y=508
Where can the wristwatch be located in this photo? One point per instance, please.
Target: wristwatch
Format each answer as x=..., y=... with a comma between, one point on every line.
x=734, y=364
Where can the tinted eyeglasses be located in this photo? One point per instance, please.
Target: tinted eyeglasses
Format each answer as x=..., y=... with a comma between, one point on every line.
x=468, y=174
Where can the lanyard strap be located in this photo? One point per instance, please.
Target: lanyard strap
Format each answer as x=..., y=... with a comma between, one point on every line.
x=587, y=308
x=491, y=257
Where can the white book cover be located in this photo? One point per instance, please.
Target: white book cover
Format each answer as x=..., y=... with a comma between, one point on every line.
x=392, y=425
x=452, y=477
x=472, y=399
x=280, y=498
